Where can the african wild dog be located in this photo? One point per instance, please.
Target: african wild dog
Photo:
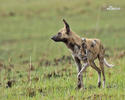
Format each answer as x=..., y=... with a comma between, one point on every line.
x=85, y=50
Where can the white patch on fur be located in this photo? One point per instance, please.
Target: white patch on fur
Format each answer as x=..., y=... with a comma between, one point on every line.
x=83, y=39
x=77, y=53
x=83, y=69
x=99, y=77
x=104, y=84
x=94, y=42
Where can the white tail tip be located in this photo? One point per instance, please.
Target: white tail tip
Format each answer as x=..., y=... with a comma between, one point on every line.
x=107, y=64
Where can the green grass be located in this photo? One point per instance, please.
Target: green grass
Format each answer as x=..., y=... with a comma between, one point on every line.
x=25, y=30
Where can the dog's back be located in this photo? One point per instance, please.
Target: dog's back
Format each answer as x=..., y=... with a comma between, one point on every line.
x=93, y=47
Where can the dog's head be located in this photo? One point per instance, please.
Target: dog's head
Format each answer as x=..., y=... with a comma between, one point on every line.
x=63, y=34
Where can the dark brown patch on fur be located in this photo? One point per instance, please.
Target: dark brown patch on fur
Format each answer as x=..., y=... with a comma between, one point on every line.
x=79, y=86
x=67, y=26
x=95, y=40
x=92, y=45
x=99, y=84
x=71, y=46
x=84, y=46
x=59, y=34
x=78, y=46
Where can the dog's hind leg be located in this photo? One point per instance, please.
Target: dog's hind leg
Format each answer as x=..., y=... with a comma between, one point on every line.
x=93, y=65
x=80, y=78
x=101, y=63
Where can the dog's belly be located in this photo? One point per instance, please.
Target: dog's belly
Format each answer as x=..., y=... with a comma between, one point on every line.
x=90, y=55
x=81, y=57
x=77, y=53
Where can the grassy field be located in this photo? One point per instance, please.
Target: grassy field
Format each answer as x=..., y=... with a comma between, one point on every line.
x=33, y=67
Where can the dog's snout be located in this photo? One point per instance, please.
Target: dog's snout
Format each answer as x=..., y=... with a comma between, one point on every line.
x=56, y=38
x=53, y=38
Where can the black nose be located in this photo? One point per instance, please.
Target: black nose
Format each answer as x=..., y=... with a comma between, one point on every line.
x=53, y=38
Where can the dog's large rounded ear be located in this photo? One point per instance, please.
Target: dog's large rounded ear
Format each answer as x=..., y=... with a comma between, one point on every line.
x=66, y=26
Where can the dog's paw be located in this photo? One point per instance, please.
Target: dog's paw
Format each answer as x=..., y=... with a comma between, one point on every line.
x=79, y=87
x=99, y=84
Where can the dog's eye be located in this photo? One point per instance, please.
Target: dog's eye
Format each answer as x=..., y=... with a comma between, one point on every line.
x=59, y=34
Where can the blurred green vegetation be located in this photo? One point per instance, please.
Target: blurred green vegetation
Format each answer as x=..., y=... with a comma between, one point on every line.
x=25, y=30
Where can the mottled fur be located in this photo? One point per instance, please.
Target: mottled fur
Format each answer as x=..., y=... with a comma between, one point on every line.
x=83, y=50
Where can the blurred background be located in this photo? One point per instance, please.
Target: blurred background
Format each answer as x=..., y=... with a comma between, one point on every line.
x=26, y=27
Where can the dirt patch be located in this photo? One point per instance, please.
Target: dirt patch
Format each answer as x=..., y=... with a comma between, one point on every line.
x=32, y=68
x=31, y=92
x=59, y=73
x=99, y=97
x=36, y=79
x=11, y=13
x=25, y=62
x=112, y=85
x=42, y=91
x=56, y=61
x=7, y=14
x=120, y=54
x=10, y=83
x=72, y=98
x=1, y=66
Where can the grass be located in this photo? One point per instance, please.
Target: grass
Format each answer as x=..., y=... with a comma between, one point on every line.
x=25, y=30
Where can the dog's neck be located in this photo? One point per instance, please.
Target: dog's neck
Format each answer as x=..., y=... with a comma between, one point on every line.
x=75, y=40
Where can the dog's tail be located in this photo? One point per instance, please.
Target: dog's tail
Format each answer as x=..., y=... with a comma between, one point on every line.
x=107, y=64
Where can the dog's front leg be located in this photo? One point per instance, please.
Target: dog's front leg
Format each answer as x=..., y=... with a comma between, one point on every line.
x=79, y=67
x=83, y=69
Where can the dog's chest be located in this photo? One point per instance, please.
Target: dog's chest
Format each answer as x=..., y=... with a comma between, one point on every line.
x=77, y=52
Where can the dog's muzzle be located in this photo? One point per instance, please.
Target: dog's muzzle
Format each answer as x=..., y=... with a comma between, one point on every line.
x=55, y=38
